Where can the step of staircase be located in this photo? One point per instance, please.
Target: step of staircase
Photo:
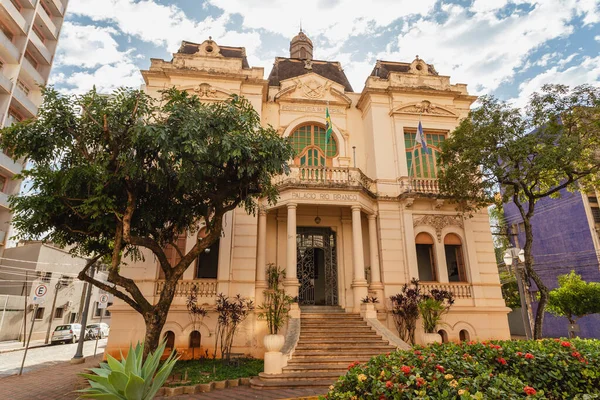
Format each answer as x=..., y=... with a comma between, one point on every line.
x=330, y=340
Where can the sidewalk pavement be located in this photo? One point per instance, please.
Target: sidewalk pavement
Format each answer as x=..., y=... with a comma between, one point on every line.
x=15, y=345
x=56, y=382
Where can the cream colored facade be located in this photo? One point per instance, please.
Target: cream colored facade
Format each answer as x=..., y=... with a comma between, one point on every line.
x=344, y=229
x=29, y=31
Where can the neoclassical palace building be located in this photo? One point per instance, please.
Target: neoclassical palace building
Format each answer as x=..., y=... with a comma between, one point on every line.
x=358, y=216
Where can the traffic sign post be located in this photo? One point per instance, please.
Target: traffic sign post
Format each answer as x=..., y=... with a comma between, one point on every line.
x=39, y=294
x=102, y=304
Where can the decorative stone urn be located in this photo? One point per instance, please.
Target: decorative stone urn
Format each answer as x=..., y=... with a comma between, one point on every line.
x=274, y=342
x=430, y=338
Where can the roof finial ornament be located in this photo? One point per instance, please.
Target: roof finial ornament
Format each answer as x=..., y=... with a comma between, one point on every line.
x=210, y=38
x=417, y=56
x=300, y=24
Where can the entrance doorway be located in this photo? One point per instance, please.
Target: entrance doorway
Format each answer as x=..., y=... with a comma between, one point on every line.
x=317, y=266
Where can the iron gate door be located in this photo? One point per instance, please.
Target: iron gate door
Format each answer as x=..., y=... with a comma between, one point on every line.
x=309, y=242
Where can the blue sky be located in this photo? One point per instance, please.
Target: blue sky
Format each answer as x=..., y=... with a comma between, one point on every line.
x=508, y=48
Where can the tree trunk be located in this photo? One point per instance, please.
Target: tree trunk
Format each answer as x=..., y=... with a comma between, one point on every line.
x=156, y=317
x=543, y=290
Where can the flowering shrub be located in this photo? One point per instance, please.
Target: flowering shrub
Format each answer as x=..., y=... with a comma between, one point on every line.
x=545, y=369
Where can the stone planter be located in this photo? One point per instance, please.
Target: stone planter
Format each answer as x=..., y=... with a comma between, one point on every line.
x=233, y=382
x=220, y=385
x=367, y=310
x=189, y=389
x=430, y=338
x=244, y=381
x=274, y=342
x=204, y=387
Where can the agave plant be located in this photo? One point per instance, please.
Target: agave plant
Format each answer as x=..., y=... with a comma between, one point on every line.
x=132, y=378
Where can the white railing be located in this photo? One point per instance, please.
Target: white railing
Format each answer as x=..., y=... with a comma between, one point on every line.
x=332, y=176
x=204, y=287
x=420, y=185
x=460, y=290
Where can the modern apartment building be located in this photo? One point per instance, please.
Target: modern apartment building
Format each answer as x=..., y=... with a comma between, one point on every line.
x=29, y=31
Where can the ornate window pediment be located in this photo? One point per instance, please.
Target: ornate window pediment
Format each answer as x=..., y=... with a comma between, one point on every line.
x=425, y=107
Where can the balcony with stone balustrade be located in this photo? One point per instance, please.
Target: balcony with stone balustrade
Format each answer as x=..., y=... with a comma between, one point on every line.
x=330, y=177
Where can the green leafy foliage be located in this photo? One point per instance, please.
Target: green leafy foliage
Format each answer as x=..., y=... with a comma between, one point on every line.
x=510, y=290
x=231, y=312
x=277, y=303
x=209, y=370
x=545, y=369
x=574, y=298
x=132, y=378
x=113, y=175
x=433, y=307
x=501, y=154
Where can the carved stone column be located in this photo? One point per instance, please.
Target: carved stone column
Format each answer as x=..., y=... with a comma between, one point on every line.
x=261, y=256
x=375, y=287
x=359, y=283
x=291, y=281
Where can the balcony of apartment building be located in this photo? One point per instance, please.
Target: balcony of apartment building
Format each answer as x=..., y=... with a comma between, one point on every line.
x=22, y=103
x=29, y=72
x=8, y=51
x=11, y=17
x=44, y=24
x=5, y=83
x=37, y=47
x=56, y=7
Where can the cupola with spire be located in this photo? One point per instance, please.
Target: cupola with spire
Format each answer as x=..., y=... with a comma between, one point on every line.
x=301, y=47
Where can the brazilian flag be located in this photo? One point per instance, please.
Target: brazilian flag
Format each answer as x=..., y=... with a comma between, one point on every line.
x=328, y=126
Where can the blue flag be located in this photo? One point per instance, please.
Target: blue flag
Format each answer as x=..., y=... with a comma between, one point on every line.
x=420, y=138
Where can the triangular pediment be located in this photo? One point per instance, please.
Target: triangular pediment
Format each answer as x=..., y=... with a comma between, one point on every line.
x=312, y=87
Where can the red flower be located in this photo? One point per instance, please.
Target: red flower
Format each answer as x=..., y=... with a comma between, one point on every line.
x=557, y=340
x=417, y=353
x=519, y=353
x=421, y=358
x=405, y=369
x=388, y=354
x=501, y=360
x=354, y=364
x=383, y=397
x=529, y=391
x=440, y=368
x=420, y=382
x=529, y=356
x=389, y=384
x=565, y=344
x=576, y=354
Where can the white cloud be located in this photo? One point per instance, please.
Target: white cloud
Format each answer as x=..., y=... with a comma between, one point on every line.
x=586, y=72
x=484, y=49
x=106, y=78
x=597, y=38
x=88, y=46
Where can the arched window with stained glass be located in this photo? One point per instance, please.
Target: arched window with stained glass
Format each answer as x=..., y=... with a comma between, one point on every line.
x=309, y=144
x=420, y=164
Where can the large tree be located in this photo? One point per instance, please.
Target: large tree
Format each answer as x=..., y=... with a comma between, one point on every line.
x=524, y=155
x=112, y=175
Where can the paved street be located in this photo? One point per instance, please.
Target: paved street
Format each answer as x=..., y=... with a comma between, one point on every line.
x=44, y=356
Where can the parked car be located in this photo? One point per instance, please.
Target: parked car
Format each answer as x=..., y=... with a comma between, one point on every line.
x=101, y=330
x=68, y=333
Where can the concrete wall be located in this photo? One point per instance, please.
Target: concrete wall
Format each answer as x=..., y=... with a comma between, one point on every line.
x=563, y=241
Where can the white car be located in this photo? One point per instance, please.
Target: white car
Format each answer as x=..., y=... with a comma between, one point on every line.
x=101, y=329
x=68, y=333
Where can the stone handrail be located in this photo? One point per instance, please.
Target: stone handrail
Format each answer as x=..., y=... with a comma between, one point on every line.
x=420, y=185
x=318, y=176
x=205, y=287
x=460, y=290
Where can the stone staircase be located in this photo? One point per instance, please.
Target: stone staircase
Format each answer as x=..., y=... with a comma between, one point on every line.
x=330, y=340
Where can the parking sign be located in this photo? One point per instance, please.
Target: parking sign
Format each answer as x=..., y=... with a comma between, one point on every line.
x=39, y=293
x=103, y=301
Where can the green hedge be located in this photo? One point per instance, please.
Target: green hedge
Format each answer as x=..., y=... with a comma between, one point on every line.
x=544, y=369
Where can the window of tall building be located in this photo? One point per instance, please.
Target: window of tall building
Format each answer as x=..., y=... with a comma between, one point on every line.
x=39, y=313
x=425, y=257
x=39, y=34
x=16, y=4
x=454, y=258
x=309, y=144
x=9, y=34
x=594, y=207
x=58, y=313
x=24, y=88
x=31, y=59
x=172, y=254
x=3, y=181
x=13, y=117
x=420, y=164
x=207, y=266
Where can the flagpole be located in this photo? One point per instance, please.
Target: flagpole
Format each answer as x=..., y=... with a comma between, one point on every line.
x=326, y=143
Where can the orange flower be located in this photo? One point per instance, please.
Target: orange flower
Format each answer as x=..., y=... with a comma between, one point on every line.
x=529, y=356
x=529, y=391
x=565, y=344
x=405, y=369
x=440, y=368
x=389, y=384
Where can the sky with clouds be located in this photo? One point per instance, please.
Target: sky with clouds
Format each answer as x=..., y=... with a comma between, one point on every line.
x=508, y=48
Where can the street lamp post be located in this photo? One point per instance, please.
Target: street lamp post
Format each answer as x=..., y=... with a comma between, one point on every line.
x=515, y=257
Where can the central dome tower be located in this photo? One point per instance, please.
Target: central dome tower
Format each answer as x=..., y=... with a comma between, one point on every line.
x=301, y=47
